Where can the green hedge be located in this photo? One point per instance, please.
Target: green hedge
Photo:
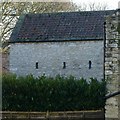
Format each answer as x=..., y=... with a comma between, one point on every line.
x=53, y=94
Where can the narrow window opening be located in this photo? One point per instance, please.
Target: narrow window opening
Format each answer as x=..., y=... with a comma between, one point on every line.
x=64, y=65
x=90, y=64
x=36, y=65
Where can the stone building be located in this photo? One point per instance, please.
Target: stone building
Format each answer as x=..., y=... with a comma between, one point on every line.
x=66, y=43
x=112, y=65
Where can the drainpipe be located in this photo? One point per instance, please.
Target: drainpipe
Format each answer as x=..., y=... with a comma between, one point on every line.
x=104, y=37
x=104, y=48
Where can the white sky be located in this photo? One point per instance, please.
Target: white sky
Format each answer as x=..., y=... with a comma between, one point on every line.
x=112, y=4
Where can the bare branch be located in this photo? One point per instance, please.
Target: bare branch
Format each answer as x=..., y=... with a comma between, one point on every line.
x=92, y=6
x=11, y=11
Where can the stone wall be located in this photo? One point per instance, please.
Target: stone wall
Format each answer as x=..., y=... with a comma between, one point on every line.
x=53, y=58
x=4, y=62
x=112, y=65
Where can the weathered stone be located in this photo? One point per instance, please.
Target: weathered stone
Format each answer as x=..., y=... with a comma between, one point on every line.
x=51, y=55
x=112, y=68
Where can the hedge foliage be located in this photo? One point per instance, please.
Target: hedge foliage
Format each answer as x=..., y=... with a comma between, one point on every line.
x=53, y=94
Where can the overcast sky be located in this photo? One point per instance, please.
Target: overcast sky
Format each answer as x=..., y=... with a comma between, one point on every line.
x=112, y=4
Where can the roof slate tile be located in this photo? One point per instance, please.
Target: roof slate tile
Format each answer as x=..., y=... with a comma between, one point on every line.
x=60, y=26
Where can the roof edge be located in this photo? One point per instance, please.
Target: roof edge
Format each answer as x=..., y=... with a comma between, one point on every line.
x=69, y=40
x=61, y=12
x=17, y=27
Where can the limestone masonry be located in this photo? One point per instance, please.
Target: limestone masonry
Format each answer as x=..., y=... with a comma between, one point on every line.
x=52, y=56
x=112, y=65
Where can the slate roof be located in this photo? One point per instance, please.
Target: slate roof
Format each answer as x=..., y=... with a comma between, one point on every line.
x=88, y=25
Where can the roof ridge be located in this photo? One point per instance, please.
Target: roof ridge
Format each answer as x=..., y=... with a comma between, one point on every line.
x=66, y=12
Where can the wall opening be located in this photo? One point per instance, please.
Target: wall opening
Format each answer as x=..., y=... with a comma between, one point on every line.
x=64, y=65
x=90, y=64
x=36, y=65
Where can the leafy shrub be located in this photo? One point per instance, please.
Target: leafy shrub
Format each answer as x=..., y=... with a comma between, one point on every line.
x=53, y=94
